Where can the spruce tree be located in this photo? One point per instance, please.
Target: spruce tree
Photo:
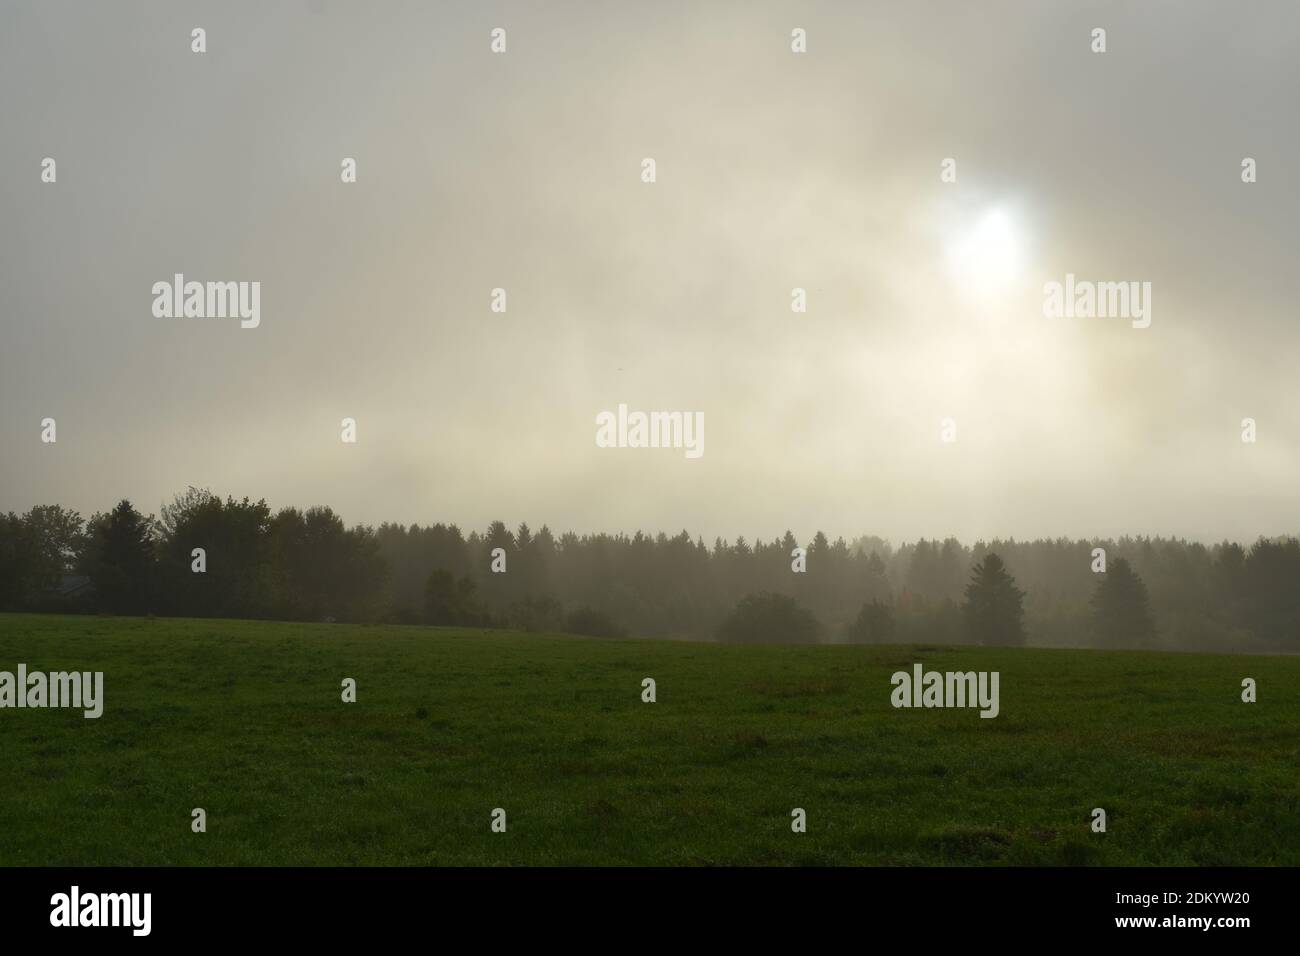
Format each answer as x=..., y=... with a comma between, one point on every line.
x=1121, y=615
x=992, y=610
x=122, y=560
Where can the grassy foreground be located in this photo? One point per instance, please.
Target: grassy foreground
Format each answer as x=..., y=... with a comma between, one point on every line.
x=245, y=720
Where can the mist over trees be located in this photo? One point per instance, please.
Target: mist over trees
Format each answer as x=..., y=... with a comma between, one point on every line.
x=993, y=610
x=874, y=624
x=769, y=619
x=309, y=565
x=1121, y=616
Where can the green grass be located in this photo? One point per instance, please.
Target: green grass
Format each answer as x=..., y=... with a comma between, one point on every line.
x=245, y=720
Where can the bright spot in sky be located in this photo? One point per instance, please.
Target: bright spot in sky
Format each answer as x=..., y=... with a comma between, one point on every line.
x=986, y=258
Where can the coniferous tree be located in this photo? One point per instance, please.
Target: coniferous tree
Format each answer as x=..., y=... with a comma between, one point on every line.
x=448, y=601
x=122, y=560
x=874, y=624
x=1120, y=613
x=1272, y=590
x=993, y=612
x=873, y=578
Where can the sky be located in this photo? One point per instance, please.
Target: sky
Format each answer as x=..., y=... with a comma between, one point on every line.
x=774, y=170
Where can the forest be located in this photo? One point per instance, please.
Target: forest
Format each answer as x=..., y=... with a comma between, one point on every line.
x=204, y=556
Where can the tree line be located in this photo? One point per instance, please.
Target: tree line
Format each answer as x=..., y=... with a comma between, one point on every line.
x=204, y=556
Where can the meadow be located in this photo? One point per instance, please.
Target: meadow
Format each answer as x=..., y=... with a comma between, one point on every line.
x=245, y=719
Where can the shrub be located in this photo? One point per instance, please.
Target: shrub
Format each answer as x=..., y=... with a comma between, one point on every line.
x=874, y=625
x=769, y=619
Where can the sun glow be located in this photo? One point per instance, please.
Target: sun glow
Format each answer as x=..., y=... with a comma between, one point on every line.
x=987, y=258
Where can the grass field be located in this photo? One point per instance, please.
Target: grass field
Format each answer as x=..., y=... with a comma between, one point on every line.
x=245, y=720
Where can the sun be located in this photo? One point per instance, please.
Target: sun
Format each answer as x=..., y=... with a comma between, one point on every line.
x=986, y=257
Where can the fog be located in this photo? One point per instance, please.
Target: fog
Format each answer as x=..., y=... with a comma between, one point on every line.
x=774, y=171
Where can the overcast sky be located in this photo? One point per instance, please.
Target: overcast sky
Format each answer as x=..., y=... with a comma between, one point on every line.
x=775, y=170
